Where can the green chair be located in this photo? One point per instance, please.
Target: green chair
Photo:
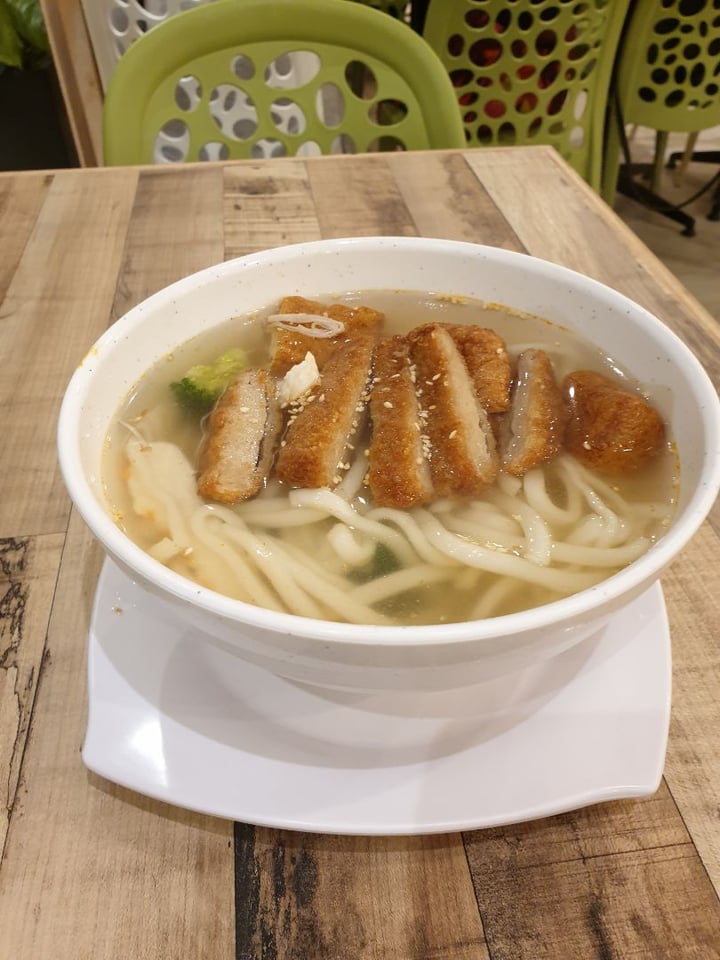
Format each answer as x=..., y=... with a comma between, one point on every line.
x=668, y=79
x=531, y=71
x=266, y=78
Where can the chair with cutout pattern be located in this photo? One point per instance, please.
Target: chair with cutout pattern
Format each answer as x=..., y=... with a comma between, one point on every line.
x=252, y=78
x=668, y=79
x=531, y=71
x=114, y=25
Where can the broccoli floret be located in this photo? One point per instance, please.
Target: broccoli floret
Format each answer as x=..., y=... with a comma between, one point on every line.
x=198, y=390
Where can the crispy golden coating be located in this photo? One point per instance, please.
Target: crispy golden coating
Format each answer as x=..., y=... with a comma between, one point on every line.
x=534, y=428
x=323, y=423
x=243, y=430
x=463, y=454
x=399, y=472
x=486, y=357
x=289, y=348
x=610, y=428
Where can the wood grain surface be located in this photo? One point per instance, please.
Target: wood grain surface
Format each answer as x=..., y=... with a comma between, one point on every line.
x=91, y=870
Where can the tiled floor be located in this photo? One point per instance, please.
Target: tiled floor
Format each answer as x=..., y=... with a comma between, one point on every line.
x=694, y=260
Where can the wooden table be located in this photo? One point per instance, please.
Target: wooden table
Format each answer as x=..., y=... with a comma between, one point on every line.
x=90, y=870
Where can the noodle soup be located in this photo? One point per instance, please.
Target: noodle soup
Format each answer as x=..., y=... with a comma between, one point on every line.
x=333, y=554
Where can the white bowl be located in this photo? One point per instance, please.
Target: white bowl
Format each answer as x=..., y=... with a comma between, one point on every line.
x=377, y=658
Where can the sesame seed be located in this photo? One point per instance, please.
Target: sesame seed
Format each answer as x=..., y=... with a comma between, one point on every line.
x=437, y=376
x=387, y=405
x=244, y=409
x=452, y=434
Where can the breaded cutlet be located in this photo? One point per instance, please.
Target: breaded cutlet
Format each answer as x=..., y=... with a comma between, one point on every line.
x=289, y=348
x=610, y=428
x=325, y=420
x=399, y=472
x=463, y=454
x=485, y=354
x=533, y=432
x=242, y=433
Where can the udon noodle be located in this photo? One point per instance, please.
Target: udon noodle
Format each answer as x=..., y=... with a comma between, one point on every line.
x=333, y=554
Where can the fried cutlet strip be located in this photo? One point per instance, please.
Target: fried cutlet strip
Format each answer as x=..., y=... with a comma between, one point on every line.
x=610, y=428
x=486, y=357
x=322, y=425
x=398, y=472
x=534, y=426
x=289, y=348
x=243, y=430
x=463, y=454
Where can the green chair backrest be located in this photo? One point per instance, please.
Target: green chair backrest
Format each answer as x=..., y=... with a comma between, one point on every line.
x=531, y=71
x=667, y=74
x=115, y=29
x=259, y=78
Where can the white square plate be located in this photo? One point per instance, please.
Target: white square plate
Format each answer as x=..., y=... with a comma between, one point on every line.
x=175, y=717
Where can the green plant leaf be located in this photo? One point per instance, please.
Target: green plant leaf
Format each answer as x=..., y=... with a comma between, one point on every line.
x=10, y=46
x=29, y=23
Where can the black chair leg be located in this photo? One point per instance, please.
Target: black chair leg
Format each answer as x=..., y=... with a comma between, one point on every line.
x=702, y=156
x=715, y=207
x=629, y=187
x=699, y=156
